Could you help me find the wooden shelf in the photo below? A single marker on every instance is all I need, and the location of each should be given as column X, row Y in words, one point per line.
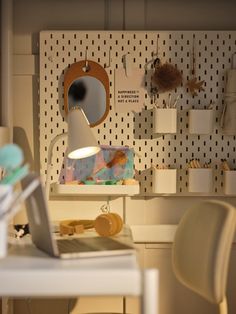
column 94, row 190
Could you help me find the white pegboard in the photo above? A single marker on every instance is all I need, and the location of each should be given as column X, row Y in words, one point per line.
column 214, row 49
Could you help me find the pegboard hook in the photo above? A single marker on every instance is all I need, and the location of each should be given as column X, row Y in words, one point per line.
column 156, row 53
column 86, row 67
column 157, row 45
column 234, row 61
column 109, row 59
column 105, row 208
column 128, row 68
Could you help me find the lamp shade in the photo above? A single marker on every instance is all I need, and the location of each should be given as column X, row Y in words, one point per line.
column 81, row 141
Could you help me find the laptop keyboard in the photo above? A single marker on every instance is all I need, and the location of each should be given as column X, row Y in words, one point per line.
column 72, row 246
column 89, row 245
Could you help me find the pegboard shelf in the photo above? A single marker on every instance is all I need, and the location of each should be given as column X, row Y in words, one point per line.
column 94, row 190
column 151, row 195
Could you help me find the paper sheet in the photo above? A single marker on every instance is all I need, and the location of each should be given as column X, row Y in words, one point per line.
column 129, row 90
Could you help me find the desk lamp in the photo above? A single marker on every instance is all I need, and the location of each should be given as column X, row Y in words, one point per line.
column 81, row 141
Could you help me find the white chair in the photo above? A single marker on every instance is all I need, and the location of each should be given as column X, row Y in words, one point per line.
column 201, row 250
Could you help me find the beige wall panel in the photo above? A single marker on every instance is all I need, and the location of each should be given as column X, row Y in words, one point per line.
column 23, row 116
column 165, row 210
column 140, row 254
column 23, row 120
column 25, row 64
column 98, row 304
column 60, row 14
column 22, row 43
column 135, row 210
column 133, row 305
column 39, row 306
column 116, row 15
column 82, row 207
column 135, row 14
column 83, row 305
column 169, row 210
column 191, row 15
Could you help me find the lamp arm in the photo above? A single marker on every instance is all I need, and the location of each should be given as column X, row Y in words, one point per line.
column 49, row 162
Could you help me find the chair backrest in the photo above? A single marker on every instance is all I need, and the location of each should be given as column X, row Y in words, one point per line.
column 202, row 246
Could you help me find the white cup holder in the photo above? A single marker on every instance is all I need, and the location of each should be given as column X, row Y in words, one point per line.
column 200, row 180
column 165, row 120
column 230, row 182
column 164, row 181
column 201, row 121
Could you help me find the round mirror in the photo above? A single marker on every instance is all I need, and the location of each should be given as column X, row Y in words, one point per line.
column 89, row 94
column 87, row 87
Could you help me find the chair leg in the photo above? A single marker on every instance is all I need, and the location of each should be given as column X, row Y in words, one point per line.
column 149, row 298
column 223, row 307
column 124, row 305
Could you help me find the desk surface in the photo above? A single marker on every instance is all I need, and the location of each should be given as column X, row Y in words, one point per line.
column 27, row 271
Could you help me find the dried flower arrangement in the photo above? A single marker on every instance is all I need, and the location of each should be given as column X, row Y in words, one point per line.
column 166, row 77
column 193, row 85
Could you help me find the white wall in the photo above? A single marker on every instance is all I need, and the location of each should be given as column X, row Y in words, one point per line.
column 32, row 16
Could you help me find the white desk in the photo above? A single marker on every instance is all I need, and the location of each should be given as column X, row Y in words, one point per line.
column 28, row 272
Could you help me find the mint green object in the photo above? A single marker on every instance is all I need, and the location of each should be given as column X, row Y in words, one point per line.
column 105, row 182
column 16, row 175
column 110, row 182
column 11, row 157
column 89, row 182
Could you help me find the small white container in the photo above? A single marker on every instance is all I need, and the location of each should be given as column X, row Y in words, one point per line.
column 164, row 181
column 200, row 180
column 165, row 120
column 201, row 121
column 230, row 182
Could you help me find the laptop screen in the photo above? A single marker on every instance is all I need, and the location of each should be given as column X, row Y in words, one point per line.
column 38, row 216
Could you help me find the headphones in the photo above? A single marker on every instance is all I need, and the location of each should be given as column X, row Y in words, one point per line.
column 70, row 227
column 106, row 224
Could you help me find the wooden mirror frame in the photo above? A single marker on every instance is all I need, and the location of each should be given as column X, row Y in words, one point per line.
column 87, row 68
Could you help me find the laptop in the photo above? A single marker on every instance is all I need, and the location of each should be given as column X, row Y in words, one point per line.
column 42, row 235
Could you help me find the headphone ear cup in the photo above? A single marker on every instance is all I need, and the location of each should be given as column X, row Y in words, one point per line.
column 103, row 225
column 119, row 222
column 108, row 224
column 113, row 224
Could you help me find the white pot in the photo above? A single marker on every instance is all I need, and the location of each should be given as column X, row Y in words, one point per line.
column 230, row 182
column 164, row 181
column 201, row 121
column 200, row 180
column 165, row 120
